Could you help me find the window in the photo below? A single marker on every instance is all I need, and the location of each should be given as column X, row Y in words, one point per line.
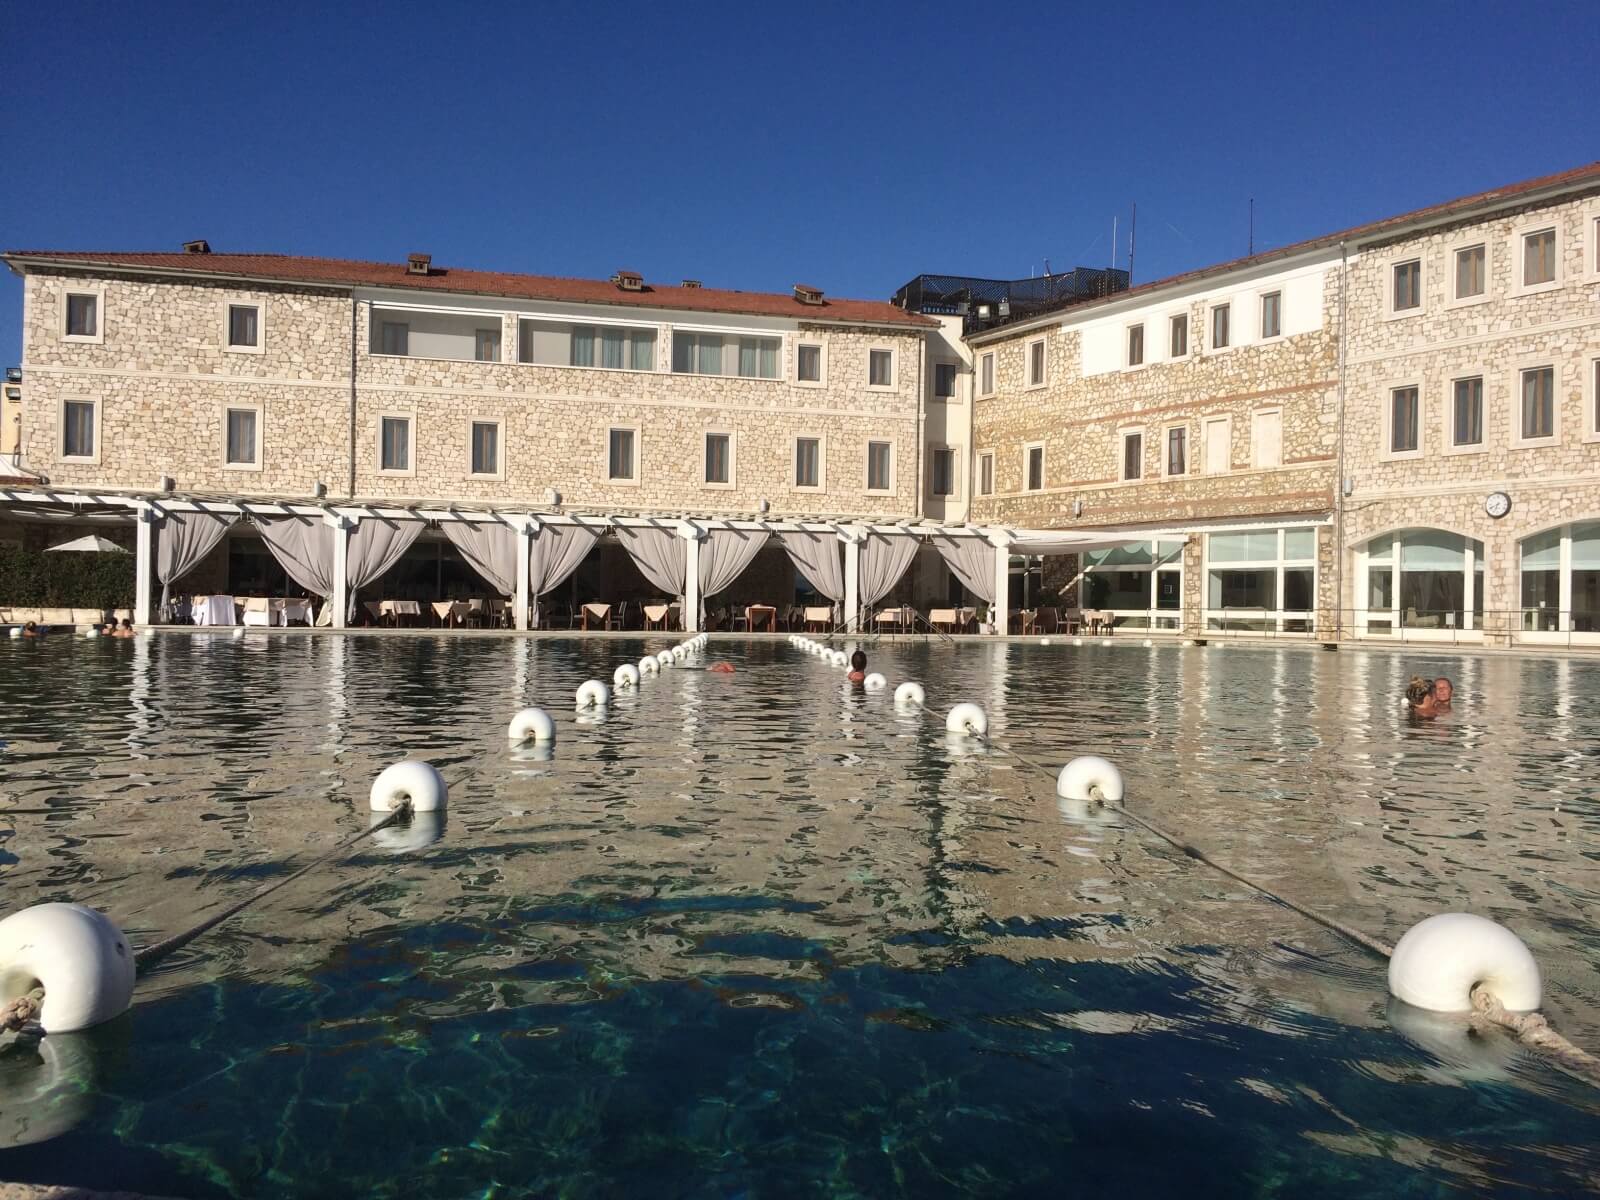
column 1538, row 257
column 486, row 346
column 986, row 374
column 880, row 466
column 241, row 448
column 561, row 344
column 244, row 327
column 1132, row 456
column 1219, row 327
column 1426, row 582
column 1466, row 417
column 1036, row 363
column 1471, row 264
column 394, row 450
column 1034, row 457
column 808, row 363
column 1560, row 571
column 1594, row 397
column 80, row 425
column 1141, row 583
column 697, row 353
column 1178, row 335
column 1407, row 292
column 1135, row 345
column 1266, row 439
column 580, row 350
column 81, row 320
column 942, row 468
column 719, row 459
column 944, row 381
column 1403, row 415
column 1538, row 403
column 1271, row 314
column 986, row 473
column 395, row 338
column 1261, row 579
column 1219, row 445
column 758, row 358
column 808, row 462
column 619, row 455
column 880, row 368
column 1177, row 450
column 485, row 438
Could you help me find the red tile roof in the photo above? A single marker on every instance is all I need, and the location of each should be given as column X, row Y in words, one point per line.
column 285, row 268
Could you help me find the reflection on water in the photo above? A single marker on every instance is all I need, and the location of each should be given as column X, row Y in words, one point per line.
column 761, row 933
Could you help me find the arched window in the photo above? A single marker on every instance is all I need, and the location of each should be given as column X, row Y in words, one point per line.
column 1560, row 583
column 1420, row 583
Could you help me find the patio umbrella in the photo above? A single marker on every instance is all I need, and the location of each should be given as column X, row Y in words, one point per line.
column 90, row 543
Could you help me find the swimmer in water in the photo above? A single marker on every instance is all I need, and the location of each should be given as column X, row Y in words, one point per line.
column 1420, row 696
column 125, row 630
column 858, row 667
column 721, row 668
column 1443, row 692
column 30, row 629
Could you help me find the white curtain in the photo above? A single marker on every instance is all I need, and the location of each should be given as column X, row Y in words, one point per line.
column 661, row 555
column 303, row 547
column 817, row 557
column 883, row 560
column 554, row 553
column 971, row 560
column 376, row 544
column 185, row 539
column 489, row 548
column 724, row 554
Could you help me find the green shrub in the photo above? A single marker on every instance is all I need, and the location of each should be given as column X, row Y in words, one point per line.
column 35, row 579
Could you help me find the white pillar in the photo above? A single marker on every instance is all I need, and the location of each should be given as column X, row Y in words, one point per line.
column 1000, row 616
column 143, row 562
column 691, row 577
column 1469, row 585
column 340, row 600
column 852, row 581
column 520, row 604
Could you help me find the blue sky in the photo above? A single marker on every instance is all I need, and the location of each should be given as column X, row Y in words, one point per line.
column 756, row 145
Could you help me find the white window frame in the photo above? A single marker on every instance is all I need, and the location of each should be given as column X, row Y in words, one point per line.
column 499, row 473
column 61, row 430
column 99, row 335
column 1386, row 451
column 1127, row 346
column 933, row 380
column 991, row 369
column 934, row 449
column 1387, row 624
column 1261, row 314
column 1390, row 265
column 1591, row 248
column 1256, row 413
column 1188, row 450
column 984, row 455
column 733, row 459
column 410, row 469
column 1519, row 266
column 1447, row 423
column 1591, row 399
column 1188, row 335
column 1211, row 328
column 794, row 462
column 228, row 406
column 1205, row 442
column 1044, row 467
column 638, row 456
column 1563, row 634
column 1280, row 614
column 894, row 369
column 1028, row 382
column 1451, row 299
column 228, row 305
column 1153, row 617
column 894, row 466
column 1123, row 434
column 1518, row 368
column 822, row 363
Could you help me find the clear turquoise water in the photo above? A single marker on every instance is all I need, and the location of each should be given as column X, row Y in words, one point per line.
column 758, row 936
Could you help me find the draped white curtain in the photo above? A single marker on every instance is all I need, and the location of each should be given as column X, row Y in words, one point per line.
column 554, row 553
column 185, row 539
column 376, row 545
column 303, row 547
column 817, row 557
column 971, row 560
column 489, row 548
column 883, row 560
column 661, row 555
column 724, row 554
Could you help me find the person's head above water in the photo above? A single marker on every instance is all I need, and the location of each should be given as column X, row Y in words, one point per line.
column 1443, row 690
column 858, row 661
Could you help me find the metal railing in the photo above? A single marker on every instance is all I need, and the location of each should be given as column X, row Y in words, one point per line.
column 1531, row 626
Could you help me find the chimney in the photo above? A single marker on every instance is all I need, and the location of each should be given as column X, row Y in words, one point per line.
column 629, row 281
column 807, row 294
column 198, row 246
column 419, row 264
column 691, row 283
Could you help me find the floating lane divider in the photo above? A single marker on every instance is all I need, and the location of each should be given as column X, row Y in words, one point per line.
column 1449, row 962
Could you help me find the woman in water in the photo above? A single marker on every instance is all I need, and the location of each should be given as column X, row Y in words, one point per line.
column 1443, row 692
column 1424, row 705
column 125, row 630
column 858, row 667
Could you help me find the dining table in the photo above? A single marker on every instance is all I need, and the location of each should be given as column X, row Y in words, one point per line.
column 819, row 615
column 655, row 615
column 213, row 610
column 396, row 609
column 765, row 614
column 600, row 613
column 450, row 611
column 287, row 610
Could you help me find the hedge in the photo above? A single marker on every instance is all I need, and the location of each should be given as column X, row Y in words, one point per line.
column 66, row 579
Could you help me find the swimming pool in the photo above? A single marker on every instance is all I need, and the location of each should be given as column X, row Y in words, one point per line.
column 755, row 935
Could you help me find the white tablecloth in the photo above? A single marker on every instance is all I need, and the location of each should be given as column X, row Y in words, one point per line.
column 293, row 610
column 213, row 610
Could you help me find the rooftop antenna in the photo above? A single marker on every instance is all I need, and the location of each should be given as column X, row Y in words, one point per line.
column 1133, row 232
column 1252, row 225
column 1113, row 242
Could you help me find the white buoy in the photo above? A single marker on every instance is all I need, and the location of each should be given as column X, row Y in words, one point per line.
column 1439, row 960
column 625, row 678
column 1149, row 642
column 238, row 631
column 78, row 955
column 664, row 658
column 418, row 833
column 91, row 633
column 841, row 659
column 967, row 718
column 909, row 694
column 679, row 654
column 593, row 694
column 409, row 782
column 1077, row 641
column 1105, row 641
column 648, row 665
column 1044, row 641
column 1090, row 778
column 532, row 724
column 874, row 682
column 15, row 631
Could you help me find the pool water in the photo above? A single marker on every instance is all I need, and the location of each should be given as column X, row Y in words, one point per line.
column 757, row 935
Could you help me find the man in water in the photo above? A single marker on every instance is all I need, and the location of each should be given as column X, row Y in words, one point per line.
column 858, row 667
column 1443, row 691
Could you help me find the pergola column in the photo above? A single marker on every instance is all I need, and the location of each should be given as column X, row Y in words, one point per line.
column 1000, row 619
column 143, row 562
column 852, row 578
column 691, row 577
column 341, row 569
column 523, row 528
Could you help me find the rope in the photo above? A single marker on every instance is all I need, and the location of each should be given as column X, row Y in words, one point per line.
column 1532, row 1030
column 22, row 1012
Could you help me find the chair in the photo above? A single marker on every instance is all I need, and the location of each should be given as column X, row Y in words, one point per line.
column 737, row 617
column 555, row 616
column 617, row 618
column 1047, row 621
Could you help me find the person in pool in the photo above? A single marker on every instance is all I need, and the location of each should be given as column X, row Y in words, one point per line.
column 858, row 667
column 721, row 668
column 109, row 629
column 125, row 630
column 30, row 629
column 1443, row 692
column 1424, row 705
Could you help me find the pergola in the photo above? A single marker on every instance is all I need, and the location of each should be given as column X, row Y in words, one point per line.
column 149, row 510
